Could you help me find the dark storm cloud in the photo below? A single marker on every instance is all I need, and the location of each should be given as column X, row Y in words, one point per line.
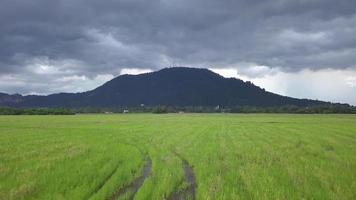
column 90, row 37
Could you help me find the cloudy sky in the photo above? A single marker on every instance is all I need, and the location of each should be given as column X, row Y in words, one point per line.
column 300, row 48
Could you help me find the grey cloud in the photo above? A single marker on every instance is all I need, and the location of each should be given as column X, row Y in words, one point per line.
column 86, row 38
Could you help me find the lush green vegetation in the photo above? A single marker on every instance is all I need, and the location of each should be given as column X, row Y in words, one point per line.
column 35, row 111
column 315, row 109
column 233, row 156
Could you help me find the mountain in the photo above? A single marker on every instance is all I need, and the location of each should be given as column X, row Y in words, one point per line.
column 10, row 99
column 178, row 86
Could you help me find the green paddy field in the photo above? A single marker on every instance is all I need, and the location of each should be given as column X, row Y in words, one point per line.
column 178, row 156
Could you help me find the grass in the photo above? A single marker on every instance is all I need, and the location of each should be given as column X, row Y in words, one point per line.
column 232, row 156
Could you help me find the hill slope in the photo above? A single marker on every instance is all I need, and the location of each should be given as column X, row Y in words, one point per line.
column 177, row 86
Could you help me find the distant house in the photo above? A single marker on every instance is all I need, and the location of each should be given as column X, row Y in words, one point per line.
column 125, row 111
column 217, row 107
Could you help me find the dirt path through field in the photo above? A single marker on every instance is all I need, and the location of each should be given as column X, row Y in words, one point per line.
column 189, row 192
column 135, row 185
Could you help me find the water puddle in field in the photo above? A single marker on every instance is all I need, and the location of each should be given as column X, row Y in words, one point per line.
column 135, row 185
column 188, row 192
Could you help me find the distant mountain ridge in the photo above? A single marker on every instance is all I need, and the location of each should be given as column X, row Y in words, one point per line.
column 177, row 86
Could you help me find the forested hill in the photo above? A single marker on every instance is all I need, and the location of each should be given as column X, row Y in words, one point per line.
column 178, row 86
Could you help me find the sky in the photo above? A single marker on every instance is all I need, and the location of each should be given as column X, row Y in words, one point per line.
column 299, row 48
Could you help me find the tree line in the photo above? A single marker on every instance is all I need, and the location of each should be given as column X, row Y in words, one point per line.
column 314, row 109
column 36, row 111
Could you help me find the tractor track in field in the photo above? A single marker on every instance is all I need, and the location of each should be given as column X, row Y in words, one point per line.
column 101, row 185
column 189, row 192
column 136, row 184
